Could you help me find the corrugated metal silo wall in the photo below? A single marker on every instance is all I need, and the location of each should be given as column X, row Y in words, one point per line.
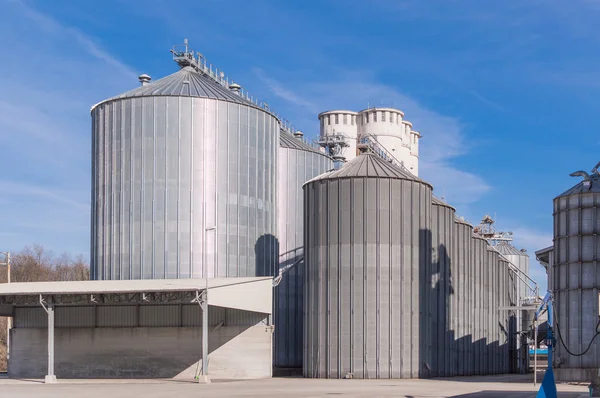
column 576, row 282
column 479, row 253
column 156, row 160
column 442, row 234
column 367, row 249
column 295, row 168
column 461, row 302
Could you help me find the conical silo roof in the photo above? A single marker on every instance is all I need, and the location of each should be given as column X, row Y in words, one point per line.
column 371, row 166
column 438, row 202
column 187, row 82
column 287, row 140
column 509, row 250
column 590, row 184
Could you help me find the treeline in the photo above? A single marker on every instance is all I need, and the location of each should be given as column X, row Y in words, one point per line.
column 37, row 264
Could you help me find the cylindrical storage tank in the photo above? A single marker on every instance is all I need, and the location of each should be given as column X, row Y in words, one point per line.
column 576, row 278
column 183, row 178
column 406, row 145
column 461, row 301
column 340, row 123
column 480, row 262
column 442, row 234
column 507, row 332
column 415, row 136
column 386, row 127
column 298, row 163
column 367, row 251
column 518, row 291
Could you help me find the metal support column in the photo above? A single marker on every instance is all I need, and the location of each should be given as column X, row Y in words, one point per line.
column 49, row 308
column 203, row 301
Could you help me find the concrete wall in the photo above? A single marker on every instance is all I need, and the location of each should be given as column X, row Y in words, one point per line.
column 236, row 352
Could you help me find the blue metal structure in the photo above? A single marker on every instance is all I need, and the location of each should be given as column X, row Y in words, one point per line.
column 548, row 387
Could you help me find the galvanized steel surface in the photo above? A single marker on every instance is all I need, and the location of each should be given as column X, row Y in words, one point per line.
column 298, row 163
column 460, row 300
column 367, row 252
column 180, row 181
column 576, row 277
column 443, row 231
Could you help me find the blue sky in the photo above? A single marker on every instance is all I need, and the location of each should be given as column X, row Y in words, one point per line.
column 505, row 93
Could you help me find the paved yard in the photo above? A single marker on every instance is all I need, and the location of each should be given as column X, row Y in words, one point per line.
column 492, row 386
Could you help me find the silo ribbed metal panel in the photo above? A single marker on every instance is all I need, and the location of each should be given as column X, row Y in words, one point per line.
column 576, row 277
column 479, row 253
column 442, row 234
column 298, row 163
column 460, row 301
column 183, row 175
column 367, row 250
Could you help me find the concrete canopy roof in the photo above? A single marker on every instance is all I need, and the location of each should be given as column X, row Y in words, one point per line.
column 250, row 294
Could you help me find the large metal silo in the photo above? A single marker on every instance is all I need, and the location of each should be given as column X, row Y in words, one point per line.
column 576, row 278
column 298, row 163
column 442, row 234
column 367, row 251
column 183, row 177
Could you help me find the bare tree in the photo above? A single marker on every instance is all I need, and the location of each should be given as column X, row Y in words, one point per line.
column 37, row 264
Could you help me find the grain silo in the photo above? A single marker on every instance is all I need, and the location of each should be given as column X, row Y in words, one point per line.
column 442, row 234
column 183, row 177
column 298, row 163
column 520, row 259
column 367, row 249
column 576, row 278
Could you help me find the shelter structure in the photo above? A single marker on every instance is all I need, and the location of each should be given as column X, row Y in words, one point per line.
column 140, row 328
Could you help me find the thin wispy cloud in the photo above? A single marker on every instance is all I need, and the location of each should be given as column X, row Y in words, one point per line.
column 45, row 127
column 278, row 89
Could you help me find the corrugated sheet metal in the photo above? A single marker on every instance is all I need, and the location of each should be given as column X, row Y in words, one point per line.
column 30, row 317
column 186, row 315
column 117, row 317
column 156, row 161
column 296, row 166
column 75, row 317
column 367, row 252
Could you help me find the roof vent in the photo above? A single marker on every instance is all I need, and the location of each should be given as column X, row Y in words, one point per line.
column 235, row 88
column 144, row 79
column 299, row 134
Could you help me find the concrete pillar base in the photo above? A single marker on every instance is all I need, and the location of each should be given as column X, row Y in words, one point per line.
column 203, row 379
column 50, row 379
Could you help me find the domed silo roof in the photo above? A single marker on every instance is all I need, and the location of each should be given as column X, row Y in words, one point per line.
column 590, row 184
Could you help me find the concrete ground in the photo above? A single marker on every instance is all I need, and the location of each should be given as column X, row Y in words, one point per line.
column 471, row 387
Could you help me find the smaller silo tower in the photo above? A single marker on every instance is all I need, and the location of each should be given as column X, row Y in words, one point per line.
column 385, row 125
column 339, row 132
column 367, row 251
